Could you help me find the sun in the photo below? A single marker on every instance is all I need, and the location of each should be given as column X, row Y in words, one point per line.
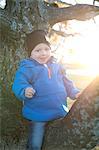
column 84, row 46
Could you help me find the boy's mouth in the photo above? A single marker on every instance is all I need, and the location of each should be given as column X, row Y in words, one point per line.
column 43, row 60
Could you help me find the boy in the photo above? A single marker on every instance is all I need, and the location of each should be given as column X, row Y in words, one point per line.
column 43, row 86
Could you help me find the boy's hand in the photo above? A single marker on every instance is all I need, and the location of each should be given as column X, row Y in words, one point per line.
column 77, row 95
column 29, row 92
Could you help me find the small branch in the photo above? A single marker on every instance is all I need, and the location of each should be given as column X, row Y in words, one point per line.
column 62, row 33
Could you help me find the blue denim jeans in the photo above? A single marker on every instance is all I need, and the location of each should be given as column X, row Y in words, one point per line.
column 36, row 134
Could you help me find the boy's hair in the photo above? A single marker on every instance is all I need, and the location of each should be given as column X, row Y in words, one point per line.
column 34, row 38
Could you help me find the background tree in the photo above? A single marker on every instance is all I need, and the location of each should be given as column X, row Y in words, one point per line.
column 16, row 20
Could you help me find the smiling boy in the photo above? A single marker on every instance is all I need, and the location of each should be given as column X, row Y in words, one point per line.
column 43, row 86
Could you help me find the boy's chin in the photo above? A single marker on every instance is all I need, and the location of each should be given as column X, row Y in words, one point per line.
column 42, row 62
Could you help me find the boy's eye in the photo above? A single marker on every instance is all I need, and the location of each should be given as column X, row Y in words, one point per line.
column 47, row 49
column 38, row 50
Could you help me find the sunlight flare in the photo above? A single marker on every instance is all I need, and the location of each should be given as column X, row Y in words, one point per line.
column 83, row 47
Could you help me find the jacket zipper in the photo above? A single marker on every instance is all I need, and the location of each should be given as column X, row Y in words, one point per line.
column 49, row 71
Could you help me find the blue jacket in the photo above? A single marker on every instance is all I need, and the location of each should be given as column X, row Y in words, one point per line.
column 52, row 89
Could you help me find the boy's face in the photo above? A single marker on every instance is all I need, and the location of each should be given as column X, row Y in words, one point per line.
column 41, row 53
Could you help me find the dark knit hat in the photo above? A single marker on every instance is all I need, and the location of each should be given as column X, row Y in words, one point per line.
column 34, row 38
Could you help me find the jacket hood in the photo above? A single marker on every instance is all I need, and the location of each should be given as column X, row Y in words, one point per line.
column 27, row 62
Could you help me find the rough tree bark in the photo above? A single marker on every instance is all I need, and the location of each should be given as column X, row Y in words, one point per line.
column 21, row 17
column 79, row 130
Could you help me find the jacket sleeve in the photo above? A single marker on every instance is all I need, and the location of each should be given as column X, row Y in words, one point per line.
column 21, row 82
column 69, row 85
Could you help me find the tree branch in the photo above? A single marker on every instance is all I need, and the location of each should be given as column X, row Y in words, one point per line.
column 79, row 12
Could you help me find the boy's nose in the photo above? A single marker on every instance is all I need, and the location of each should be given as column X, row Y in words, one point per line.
column 43, row 52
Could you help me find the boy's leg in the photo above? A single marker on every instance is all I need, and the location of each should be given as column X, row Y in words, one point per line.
column 29, row 144
column 36, row 135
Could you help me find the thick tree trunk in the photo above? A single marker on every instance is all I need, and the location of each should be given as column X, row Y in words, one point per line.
column 80, row 128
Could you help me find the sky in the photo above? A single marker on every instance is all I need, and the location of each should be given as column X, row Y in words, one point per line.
column 3, row 2
column 81, row 2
